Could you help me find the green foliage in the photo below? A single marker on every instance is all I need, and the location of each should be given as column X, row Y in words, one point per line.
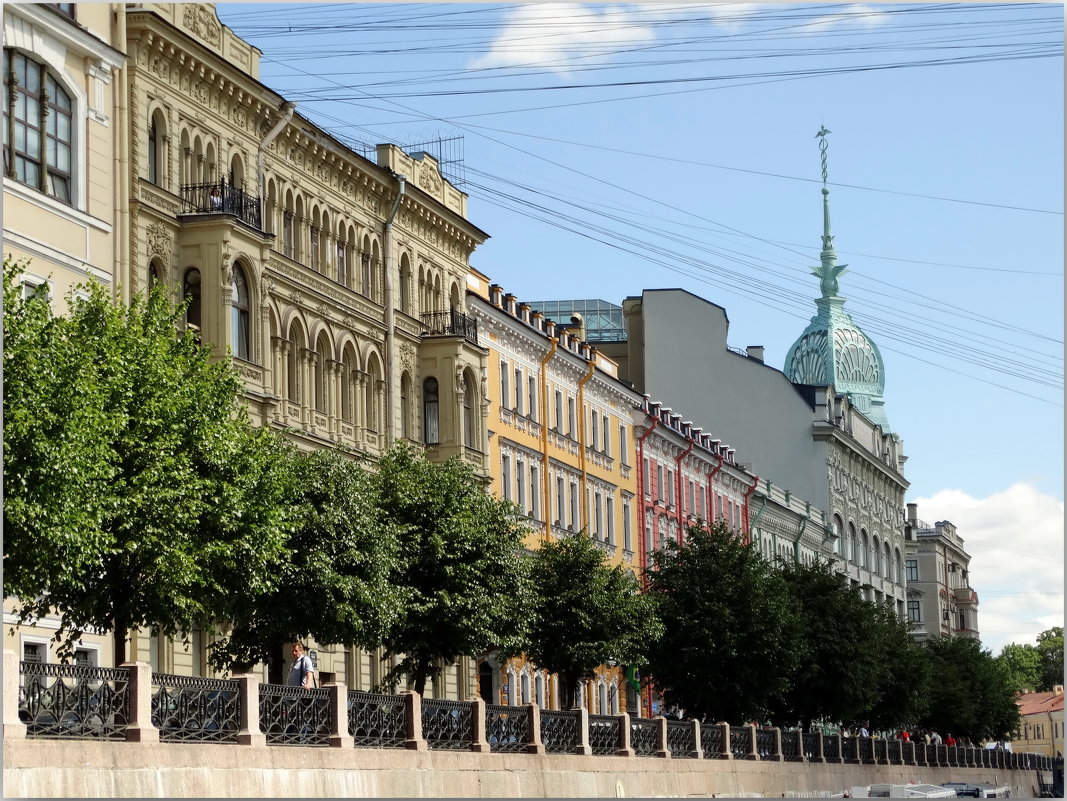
column 1023, row 666
column 848, row 649
column 730, row 633
column 331, row 582
column 460, row 570
column 1050, row 647
column 136, row 491
column 586, row 612
column 970, row 691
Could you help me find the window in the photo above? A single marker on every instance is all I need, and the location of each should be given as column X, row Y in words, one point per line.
column 36, row 652
column 609, row 512
column 288, row 223
column 239, row 322
column 670, row 487
column 535, row 493
column 913, row 612
column 645, row 479
column 364, row 264
column 570, row 418
column 505, row 387
column 520, row 482
column 469, row 391
column 598, row 508
column 702, row 509
column 153, row 151
column 191, row 295
column 518, row 390
column 342, row 266
column 627, row 533
column 574, row 521
column 596, row 430
column 85, row 657
column 405, row 406
column 623, row 455
column 505, row 475
column 37, row 138
column 314, row 263
column 531, row 387
column 430, row 412
column 606, row 422
column 561, row 511
column 559, row 411
column 659, row 481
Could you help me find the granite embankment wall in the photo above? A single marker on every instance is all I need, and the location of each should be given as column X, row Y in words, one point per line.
column 35, row 768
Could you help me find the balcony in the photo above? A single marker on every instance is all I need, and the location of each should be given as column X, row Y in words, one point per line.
column 450, row 323
column 222, row 198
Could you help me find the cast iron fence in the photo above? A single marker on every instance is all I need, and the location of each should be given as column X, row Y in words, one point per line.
column 74, row 701
column 376, row 721
column 447, row 725
column 507, row 728
column 192, row 709
column 294, row 715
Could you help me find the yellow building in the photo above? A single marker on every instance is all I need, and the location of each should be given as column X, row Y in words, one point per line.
column 561, row 440
column 1041, row 728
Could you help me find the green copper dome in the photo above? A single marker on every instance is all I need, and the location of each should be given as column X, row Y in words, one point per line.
column 833, row 349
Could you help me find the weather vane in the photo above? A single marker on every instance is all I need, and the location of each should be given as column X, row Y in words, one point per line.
column 823, row 145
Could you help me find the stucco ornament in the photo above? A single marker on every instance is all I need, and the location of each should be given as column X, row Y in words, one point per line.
column 200, row 20
column 160, row 242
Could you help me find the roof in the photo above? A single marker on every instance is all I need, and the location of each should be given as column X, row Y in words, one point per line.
column 1039, row 703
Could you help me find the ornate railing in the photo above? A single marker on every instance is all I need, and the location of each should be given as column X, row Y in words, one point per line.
column 376, row 721
column 447, row 725
column 850, row 750
column 895, row 751
column 711, row 740
column 222, row 197
column 810, row 745
column 603, row 735
column 832, row 748
column 294, row 715
column 192, row 709
column 766, row 744
column 680, row 739
column 644, row 736
column 74, row 701
column 559, row 731
column 450, row 323
column 792, row 746
column 741, row 741
column 507, row 728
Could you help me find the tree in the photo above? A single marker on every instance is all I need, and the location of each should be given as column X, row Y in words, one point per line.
column 586, row 613
column 460, row 569
column 136, row 492
column 902, row 695
column 846, row 645
column 331, row 581
column 1023, row 665
column 730, row 633
column 970, row 692
column 1050, row 647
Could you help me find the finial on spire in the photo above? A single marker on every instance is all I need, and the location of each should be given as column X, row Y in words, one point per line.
column 829, row 269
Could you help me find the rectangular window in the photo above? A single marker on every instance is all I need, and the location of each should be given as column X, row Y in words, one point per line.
column 659, row 482
column 598, row 530
column 570, row 418
column 505, row 386
column 627, row 532
column 911, row 568
column 596, row 430
column 645, row 478
column 531, row 387
column 535, row 492
column 607, row 435
column 702, row 509
column 718, row 507
column 86, row 657
column 505, row 476
column 342, row 267
column 35, row 652
column 648, row 538
column 624, row 456
column 561, row 503
column 689, row 498
column 559, row 412
column 520, row 485
column 518, row 390
column 609, row 510
column 670, row 487
column 574, row 522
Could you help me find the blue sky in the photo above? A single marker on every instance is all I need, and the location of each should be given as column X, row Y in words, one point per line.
column 613, row 148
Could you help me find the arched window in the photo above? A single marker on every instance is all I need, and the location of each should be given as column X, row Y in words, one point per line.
column 155, row 275
column 430, row 412
column 864, row 549
column 405, row 406
column 539, row 690
column 602, row 697
column 157, row 154
column 470, row 399
column 372, row 402
column 876, row 557
column 839, row 543
column 524, row 691
column 296, row 345
column 887, row 563
column 38, row 135
column 191, row 295
column 240, row 318
column 853, row 551
column 405, row 284
column 348, row 375
column 322, row 387
column 237, row 172
column 898, row 573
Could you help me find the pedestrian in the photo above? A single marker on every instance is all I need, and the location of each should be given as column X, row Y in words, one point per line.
column 904, row 736
column 302, row 671
column 949, row 739
column 926, row 737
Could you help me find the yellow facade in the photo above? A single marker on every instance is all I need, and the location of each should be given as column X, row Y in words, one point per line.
column 1041, row 725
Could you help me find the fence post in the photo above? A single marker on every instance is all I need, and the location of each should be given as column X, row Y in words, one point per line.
column 727, row 746
column 14, row 728
column 753, row 750
column 664, row 750
column 249, row 732
column 534, row 744
column 698, row 745
column 820, row 752
column 583, row 748
column 139, row 693
column 479, row 742
column 840, row 746
column 413, row 721
column 625, row 747
column 339, row 736
column 778, row 755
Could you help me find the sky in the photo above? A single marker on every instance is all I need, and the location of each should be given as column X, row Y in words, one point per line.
column 612, row 148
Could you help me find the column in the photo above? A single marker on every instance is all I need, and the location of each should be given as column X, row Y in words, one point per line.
column 14, row 728
column 753, row 751
column 698, row 745
column 727, row 751
column 664, row 750
column 583, row 748
column 339, row 736
column 413, row 719
column 534, row 745
column 479, row 742
column 249, row 732
column 625, row 748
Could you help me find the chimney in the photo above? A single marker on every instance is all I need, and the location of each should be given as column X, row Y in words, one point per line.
column 755, row 352
column 913, row 515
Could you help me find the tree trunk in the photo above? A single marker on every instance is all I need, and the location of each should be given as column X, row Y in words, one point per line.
column 422, row 668
column 276, row 669
column 119, row 639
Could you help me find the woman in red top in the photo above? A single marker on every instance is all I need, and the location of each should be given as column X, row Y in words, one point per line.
column 905, row 737
column 950, row 740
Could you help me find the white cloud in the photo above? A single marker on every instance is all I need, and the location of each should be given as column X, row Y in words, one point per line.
column 857, row 14
column 1015, row 539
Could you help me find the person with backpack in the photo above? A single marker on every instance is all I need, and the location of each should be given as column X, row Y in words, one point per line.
column 302, row 671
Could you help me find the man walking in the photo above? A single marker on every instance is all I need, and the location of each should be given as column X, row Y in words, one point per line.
column 302, row 671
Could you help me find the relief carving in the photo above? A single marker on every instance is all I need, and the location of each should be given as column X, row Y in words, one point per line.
column 429, row 179
column 159, row 241
column 200, row 20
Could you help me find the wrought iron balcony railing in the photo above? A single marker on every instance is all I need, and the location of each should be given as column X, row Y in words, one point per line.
column 450, row 323
column 222, row 198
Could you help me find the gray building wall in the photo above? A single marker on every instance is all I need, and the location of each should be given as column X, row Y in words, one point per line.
column 678, row 350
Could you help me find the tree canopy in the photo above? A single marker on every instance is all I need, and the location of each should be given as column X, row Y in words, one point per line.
column 460, row 567
column 730, row 635
column 1050, row 648
column 331, row 581
column 586, row 613
column 136, row 491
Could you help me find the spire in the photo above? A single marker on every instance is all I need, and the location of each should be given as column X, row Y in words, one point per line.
column 829, row 269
